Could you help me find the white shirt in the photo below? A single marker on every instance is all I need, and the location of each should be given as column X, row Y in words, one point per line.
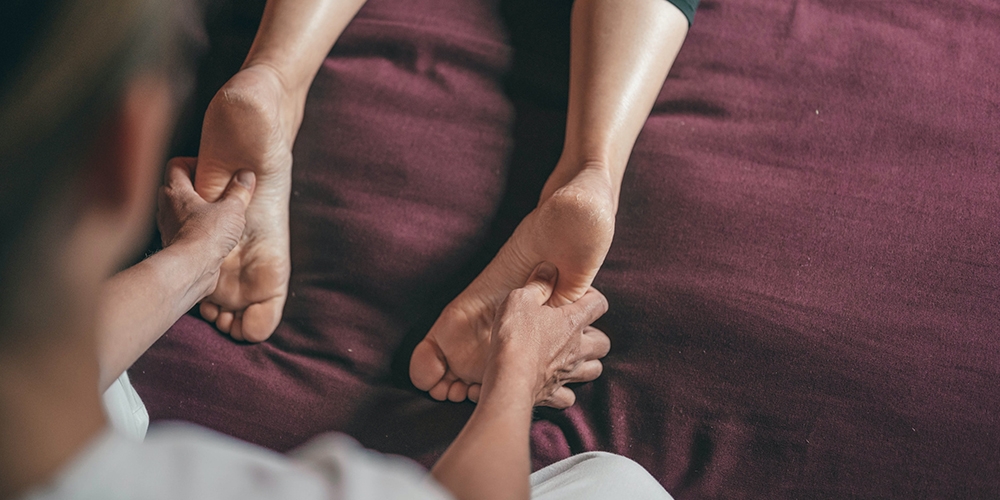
column 183, row 461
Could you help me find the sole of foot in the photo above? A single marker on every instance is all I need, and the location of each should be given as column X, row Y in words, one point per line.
column 573, row 229
column 247, row 126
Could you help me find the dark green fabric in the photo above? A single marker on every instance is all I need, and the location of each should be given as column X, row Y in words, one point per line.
column 687, row 7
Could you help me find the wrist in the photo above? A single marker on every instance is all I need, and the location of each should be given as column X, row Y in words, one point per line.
column 193, row 266
column 507, row 390
column 511, row 376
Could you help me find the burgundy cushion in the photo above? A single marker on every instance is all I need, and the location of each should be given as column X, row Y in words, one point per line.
column 805, row 279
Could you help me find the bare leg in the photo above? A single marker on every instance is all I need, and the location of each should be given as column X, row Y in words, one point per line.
column 572, row 229
column 244, row 128
column 251, row 124
column 621, row 52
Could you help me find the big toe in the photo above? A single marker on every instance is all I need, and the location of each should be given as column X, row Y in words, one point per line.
column 427, row 365
column 260, row 320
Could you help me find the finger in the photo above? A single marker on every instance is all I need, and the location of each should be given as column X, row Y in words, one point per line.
column 541, row 282
column 177, row 190
column 474, row 391
column 564, row 397
column 458, row 391
column 209, row 311
column 591, row 306
column 585, row 372
column 595, row 344
column 180, row 171
column 240, row 190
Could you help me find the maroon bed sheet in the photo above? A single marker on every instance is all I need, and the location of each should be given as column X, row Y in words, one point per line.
column 804, row 283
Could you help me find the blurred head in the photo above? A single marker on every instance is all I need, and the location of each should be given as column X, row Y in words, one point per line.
column 85, row 104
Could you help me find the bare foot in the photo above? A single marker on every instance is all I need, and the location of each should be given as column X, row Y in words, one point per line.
column 572, row 229
column 251, row 124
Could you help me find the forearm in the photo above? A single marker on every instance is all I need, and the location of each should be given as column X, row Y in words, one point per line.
column 490, row 458
column 621, row 52
column 295, row 36
column 140, row 303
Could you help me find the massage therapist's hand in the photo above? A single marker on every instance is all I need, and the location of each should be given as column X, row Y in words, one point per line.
column 546, row 347
column 206, row 231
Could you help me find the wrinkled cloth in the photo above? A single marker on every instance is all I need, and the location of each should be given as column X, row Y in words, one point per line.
column 186, row 462
column 125, row 410
column 182, row 461
column 805, row 277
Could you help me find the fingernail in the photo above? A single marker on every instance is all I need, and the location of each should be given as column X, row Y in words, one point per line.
column 245, row 178
column 546, row 271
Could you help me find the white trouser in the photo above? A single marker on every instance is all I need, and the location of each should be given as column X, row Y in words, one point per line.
column 595, row 475
column 588, row 476
column 125, row 410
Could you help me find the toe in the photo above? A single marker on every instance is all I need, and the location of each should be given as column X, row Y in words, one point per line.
column 209, row 311
column 458, row 391
column 428, row 366
column 236, row 330
column 440, row 390
column 261, row 319
column 474, row 391
column 225, row 321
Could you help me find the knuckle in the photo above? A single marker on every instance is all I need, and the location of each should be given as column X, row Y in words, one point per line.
column 598, row 303
column 605, row 347
column 570, row 400
column 603, row 304
column 579, row 319
column 518, row 295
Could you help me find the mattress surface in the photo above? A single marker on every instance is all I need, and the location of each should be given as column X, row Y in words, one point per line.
column 805, row 277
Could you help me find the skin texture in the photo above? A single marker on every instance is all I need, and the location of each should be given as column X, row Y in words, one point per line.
column 141, row 303
column 620, row 54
